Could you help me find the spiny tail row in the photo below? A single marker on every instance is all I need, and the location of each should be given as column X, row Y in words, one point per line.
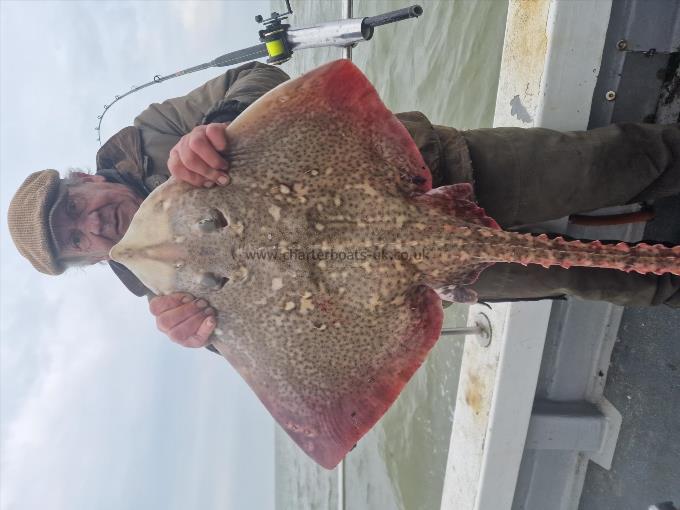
column 540, row 249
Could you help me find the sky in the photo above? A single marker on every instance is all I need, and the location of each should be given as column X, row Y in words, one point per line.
column 97, row 408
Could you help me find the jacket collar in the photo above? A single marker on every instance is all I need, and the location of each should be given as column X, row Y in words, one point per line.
column 123, row 153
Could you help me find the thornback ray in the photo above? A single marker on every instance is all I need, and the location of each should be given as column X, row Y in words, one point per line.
column 327, row 254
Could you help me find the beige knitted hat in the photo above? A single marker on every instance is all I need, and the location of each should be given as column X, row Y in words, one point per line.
column 29, row 220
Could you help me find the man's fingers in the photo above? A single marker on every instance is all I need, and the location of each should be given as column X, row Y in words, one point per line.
column 186, row 320
column 195, row 331
column 191, row 162
column 202, row 336
column 181, row 173
column 160, row 304
column 217, row 135
column 203, row 147
column 198, row 153
column 170, row 319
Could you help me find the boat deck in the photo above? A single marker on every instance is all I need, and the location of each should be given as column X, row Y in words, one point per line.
column 643, row 383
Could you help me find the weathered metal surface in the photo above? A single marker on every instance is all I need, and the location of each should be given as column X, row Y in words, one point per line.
column 574, row 426
column 640, row 37
column 523, row 63
column 488, row 411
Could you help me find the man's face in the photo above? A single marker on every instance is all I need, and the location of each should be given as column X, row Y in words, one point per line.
column 92, row 217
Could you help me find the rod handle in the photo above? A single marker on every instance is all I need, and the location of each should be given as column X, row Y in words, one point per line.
column 390, row 17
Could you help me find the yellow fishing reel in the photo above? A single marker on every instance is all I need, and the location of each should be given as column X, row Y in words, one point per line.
column 275, row 36
column 277, row 45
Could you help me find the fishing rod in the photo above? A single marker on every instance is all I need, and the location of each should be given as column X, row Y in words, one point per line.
column 278, row 41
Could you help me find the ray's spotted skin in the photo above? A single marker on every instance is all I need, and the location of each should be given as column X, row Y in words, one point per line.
column 327, row 255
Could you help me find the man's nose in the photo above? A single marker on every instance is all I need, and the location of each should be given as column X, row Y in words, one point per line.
column 92, row 223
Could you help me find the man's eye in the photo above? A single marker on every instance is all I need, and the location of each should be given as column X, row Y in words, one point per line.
column 76, row 239
column 74, row 205
column 71, row 207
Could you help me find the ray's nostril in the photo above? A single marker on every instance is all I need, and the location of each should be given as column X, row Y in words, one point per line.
column 213, row 281
column 213, row 222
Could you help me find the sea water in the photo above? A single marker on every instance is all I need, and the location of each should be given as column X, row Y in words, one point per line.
column 444, row 64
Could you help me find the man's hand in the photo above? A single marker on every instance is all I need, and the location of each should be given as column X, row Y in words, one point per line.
column 196, row 158
column 186, row 320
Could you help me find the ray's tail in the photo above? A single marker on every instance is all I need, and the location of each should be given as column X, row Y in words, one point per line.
column 540, row 249
column 487, row 243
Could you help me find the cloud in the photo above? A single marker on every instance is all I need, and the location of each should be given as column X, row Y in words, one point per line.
column 62, row 416
column 113, row 407
column 99, row 410
column 205, row 18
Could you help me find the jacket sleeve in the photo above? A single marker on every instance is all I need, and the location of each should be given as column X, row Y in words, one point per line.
column 220, row 100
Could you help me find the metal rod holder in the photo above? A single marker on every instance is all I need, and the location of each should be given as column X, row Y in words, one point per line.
column 469, row 330
column 481, row 330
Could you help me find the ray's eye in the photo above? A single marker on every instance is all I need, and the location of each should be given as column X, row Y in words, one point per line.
column 213, row 222
column 213, row 281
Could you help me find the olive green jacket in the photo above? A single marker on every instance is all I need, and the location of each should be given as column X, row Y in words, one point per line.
column 137, row 155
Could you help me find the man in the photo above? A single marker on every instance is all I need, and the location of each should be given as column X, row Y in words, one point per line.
column 520, row 177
